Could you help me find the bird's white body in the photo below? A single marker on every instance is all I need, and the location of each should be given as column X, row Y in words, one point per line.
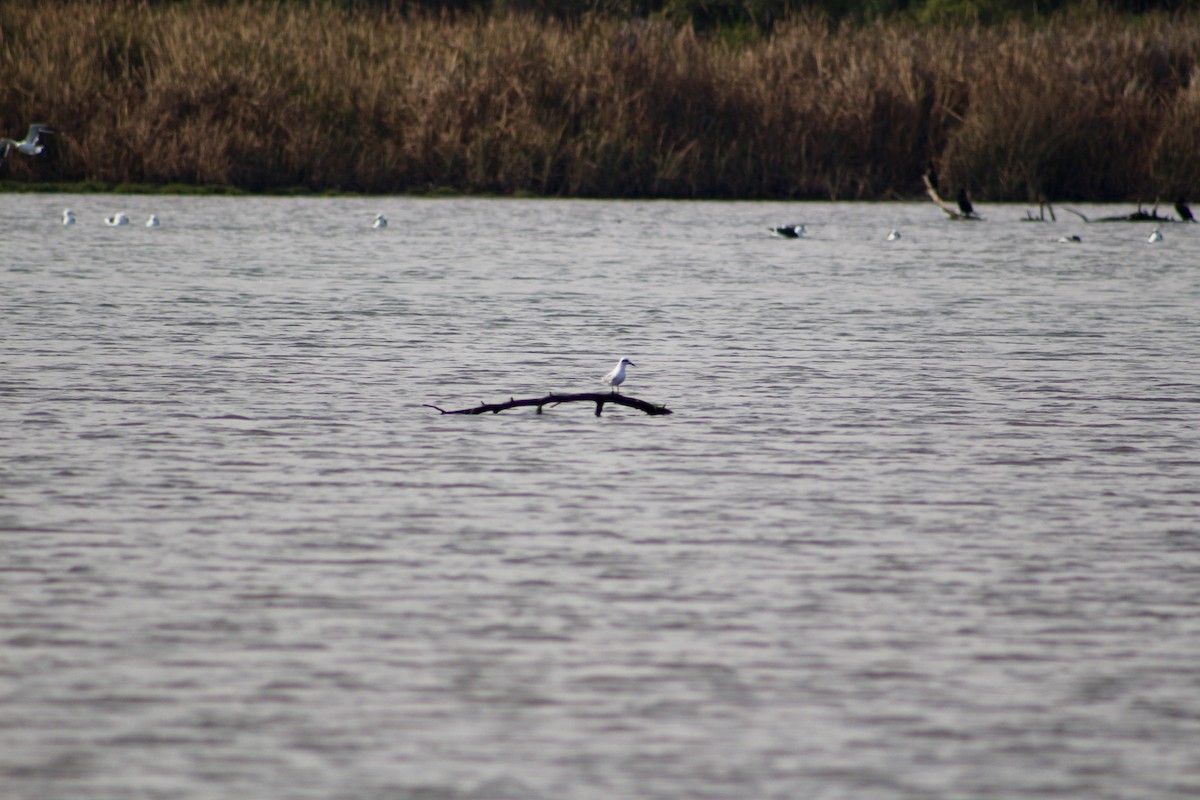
column 380, row 222
column 152, row 222
column 617, row 376
column 117, row 219
column 68, row 217
column 893, row 235
column 1155, row 236
column 29, row 145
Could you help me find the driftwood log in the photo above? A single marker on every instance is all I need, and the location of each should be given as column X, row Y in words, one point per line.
column 1137, row 216
column 599, row 398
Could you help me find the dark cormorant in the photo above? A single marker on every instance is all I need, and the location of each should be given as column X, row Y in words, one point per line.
column 964, row 204
column 1185, row 213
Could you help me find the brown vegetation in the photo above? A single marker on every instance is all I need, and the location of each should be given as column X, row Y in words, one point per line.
column 271, row 96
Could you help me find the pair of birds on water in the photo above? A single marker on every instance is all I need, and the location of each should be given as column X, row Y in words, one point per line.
column 1155, row 236
column 120, row 219
column 116, row 220
column 800, row 231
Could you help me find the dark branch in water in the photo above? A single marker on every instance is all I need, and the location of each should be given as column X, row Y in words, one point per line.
column 1136, row 216
column 599, row 398
column 1043, row 207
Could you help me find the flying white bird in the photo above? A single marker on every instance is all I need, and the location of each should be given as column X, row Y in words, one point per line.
column 29, row 145
column 380, row 222
column 1155, row 236
column 68, row 217
column 152, row 222
column 617, row 376
column 117, row 219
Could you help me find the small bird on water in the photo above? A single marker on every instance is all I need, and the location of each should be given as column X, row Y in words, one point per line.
column 379, row 222
column 152, row 222
column 798, row 231
column 1155, row 236
column 68, row 217
column 893, row 235
column 29, row 145
column 617, row 376
column 117, row 219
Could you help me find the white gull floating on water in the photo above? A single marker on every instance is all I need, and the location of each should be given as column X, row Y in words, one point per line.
column 617, row 376
column 68, row 217
column 893, row 235
column 117, row 219
column 380, row 222
column 152, row 222
column 1155, row 236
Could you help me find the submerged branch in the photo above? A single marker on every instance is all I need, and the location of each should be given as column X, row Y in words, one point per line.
column 599, row 398
column 1135, row 216
column 1043, row 206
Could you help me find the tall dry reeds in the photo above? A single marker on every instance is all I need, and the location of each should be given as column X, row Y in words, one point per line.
column 272, row 96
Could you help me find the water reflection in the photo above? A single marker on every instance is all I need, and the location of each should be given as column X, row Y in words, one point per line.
column 922, row 524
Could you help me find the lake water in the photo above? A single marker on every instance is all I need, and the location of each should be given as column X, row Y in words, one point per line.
column 925, row 522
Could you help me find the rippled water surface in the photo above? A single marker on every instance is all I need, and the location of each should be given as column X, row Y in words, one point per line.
column 925, row 522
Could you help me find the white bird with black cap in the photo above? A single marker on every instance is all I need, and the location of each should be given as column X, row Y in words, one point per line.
column 617, row 376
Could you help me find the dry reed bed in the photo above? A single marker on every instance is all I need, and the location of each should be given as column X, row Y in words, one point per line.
column 271, row 96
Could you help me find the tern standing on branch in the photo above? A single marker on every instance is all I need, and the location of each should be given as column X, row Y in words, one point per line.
column 29, row 145
column 617, row 376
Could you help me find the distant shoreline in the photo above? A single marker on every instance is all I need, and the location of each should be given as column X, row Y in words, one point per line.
column 291, row 99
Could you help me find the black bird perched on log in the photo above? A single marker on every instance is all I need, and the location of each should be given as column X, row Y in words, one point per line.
column 1185, row 213
column 964, row 204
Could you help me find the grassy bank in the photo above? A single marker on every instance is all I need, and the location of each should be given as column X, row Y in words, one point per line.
column 265, row 97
